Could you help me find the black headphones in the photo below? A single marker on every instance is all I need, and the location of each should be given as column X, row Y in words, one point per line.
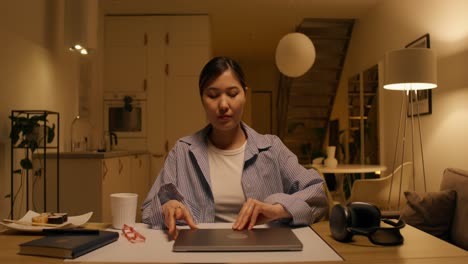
column 358, row 218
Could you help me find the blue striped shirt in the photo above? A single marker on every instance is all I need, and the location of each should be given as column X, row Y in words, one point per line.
column 271, row 174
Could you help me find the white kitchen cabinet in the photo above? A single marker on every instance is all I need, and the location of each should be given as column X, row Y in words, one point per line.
column 88, row 179
column 135, row 47
column 188, row 50
column 139, row 178
column 125, row 54
column 115, row 178
column 160, row 56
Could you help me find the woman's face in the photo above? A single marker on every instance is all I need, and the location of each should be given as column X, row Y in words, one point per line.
column 224, row 101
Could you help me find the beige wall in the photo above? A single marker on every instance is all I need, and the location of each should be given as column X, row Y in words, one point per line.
column 36, row 72
column 392, row 25
column 261, row 76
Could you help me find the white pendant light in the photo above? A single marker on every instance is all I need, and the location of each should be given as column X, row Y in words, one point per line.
column 295, row 54
column 81, row 25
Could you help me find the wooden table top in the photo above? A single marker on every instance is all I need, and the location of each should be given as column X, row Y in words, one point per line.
column 418, row 248
column 348, row 168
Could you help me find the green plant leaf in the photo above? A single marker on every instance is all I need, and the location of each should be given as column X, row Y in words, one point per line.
column 128, row 107
column 24, row 143
column 7, row 196
column 18, row 171
column 128, row 103
column 33, row 145
column 26, row 164
column 128, row 99
column 37, row 118
column 50, row 133
column 14, row 134
column 38, row 173
column 24, row 129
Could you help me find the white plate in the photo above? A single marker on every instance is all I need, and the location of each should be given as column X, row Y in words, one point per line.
column 73, row 221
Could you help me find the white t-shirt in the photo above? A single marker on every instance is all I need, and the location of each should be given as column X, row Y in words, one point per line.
column 225, row 173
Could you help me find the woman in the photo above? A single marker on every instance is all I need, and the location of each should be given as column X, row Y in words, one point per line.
column 228, row 172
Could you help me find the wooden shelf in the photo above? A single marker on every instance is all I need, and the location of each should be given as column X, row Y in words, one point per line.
column 362, row 99
column 357, row 117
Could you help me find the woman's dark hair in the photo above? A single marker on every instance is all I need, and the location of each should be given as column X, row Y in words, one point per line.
column 215, row 67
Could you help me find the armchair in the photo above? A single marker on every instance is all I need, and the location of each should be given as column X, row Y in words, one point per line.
column 377, row 191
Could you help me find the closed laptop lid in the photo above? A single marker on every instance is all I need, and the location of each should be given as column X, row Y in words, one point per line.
column 261, row 239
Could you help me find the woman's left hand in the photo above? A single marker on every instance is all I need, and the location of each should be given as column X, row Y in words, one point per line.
column 254, row 212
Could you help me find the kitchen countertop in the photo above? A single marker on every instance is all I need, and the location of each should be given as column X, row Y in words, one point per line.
column 96, row 155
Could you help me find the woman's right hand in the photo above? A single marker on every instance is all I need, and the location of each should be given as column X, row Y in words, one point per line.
column 174, row 210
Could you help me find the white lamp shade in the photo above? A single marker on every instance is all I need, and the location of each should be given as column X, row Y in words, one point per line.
column 295, row 54
column 410, row 69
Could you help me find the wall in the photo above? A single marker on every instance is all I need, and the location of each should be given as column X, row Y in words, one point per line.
column 36, row 72
column 261, row 76
column 392, row 25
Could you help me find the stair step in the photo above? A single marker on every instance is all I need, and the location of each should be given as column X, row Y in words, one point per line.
column 311, row 96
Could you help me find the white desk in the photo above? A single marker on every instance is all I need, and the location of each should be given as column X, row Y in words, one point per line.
column 342, row 169
column 158, row 249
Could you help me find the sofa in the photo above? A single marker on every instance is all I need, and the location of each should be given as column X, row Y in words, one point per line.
column 456, row 179
column 444, row 213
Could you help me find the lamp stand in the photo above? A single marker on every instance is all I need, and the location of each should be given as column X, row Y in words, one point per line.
column 420, row 139
column 409, row 96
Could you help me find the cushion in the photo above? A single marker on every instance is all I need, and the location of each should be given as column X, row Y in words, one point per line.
column 431, row 212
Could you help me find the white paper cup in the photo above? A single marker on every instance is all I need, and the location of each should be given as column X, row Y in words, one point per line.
column 123, row 209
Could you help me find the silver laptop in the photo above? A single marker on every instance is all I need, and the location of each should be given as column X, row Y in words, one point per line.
column 261, row 239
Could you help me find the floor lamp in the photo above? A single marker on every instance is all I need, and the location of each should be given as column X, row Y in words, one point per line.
column 409, row 70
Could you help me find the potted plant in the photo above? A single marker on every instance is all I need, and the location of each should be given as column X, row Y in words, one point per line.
column 128, row 103
column 29, row 132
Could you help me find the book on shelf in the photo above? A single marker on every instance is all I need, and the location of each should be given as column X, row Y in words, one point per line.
column 68, row 245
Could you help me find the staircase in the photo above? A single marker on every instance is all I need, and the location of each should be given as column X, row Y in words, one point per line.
column 309, row 99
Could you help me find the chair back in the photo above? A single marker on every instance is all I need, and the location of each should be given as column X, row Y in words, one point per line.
column 384, row 192
column 400, row 182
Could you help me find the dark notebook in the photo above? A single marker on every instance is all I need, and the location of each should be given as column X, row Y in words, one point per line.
column 67, row 245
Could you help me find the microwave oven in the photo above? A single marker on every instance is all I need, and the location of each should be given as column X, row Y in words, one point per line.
column 125, row 122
